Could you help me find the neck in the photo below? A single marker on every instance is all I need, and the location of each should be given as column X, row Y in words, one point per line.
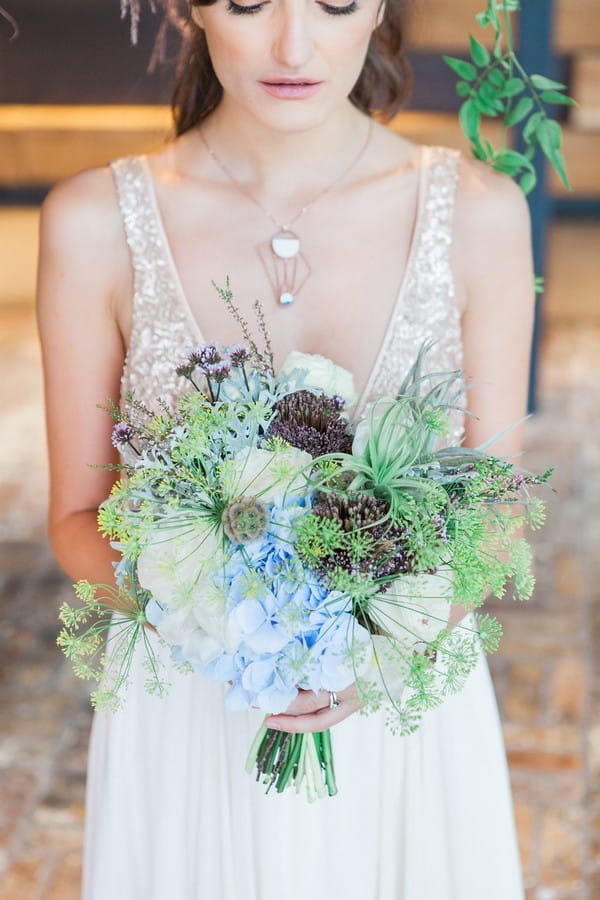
column 283, row 164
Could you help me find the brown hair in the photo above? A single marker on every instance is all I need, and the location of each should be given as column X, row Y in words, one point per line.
column 382, row 88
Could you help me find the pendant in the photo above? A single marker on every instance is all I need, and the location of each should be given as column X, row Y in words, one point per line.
column 285, row 265
column 285, row 244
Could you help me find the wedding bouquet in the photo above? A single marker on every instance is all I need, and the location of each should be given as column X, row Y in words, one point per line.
column 276, row 546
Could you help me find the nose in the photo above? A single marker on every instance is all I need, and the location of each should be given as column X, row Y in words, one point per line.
column 292, row 46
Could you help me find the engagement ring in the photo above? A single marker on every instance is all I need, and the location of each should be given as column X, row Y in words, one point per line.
column 334, row 700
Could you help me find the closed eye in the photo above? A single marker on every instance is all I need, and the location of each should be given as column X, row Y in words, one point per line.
column 239, row 10
column 339, row 10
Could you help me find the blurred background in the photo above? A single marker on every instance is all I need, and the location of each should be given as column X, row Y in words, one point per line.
column 74, row 93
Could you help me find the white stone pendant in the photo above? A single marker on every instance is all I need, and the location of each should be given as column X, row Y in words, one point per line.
column 285, row 244
column 285, row 264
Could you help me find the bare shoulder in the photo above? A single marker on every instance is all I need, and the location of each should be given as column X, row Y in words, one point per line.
column 487, row 203
column 491, row 228
column 82, row 205
column 82, row 234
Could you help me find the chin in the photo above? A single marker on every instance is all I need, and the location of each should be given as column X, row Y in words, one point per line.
column 290, row 116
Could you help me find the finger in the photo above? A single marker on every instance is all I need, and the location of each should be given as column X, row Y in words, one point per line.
column 308, row 702
column 313, row 721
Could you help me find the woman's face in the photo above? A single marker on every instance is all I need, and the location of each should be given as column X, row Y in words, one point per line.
column 288, row 63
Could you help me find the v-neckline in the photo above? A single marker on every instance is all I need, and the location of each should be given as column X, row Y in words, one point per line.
column 410, row 257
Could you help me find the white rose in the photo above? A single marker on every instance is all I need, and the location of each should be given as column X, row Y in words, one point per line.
column 387, row 669
column 396, row 423
column 180, row 628
column 266, row 474
column 177, row 560
column 414, row 607
column 323, row 374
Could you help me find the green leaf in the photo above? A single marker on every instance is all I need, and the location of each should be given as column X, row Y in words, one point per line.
column 489, row 94
column 486, row 109
column 527, row 182
column 483, row 19
column 469, row 119
column 497, row 78
column 512, row 87
column 531, row 126
column 514, row 158
column 521, row 110
column 555, row 97
column 463, row 69
column 479, row 153
column 547, row 84
column 557, row 160
column 463, row 89
column 549, row 136
column 479, row 54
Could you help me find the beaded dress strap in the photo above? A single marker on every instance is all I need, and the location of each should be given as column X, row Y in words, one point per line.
column 428, row 306
column 160, row 330
column 138, row 221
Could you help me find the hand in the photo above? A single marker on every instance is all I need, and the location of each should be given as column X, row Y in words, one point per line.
column 310, row 711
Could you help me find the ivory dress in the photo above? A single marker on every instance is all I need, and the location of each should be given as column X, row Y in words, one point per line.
column 171, row 812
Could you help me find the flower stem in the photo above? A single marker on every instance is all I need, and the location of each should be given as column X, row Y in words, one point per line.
column 329, row 767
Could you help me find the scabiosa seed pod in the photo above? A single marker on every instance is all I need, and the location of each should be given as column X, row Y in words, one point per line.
column 312, row 423
column 244, row 520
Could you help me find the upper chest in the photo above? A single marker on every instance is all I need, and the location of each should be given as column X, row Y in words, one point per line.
column 379, row 264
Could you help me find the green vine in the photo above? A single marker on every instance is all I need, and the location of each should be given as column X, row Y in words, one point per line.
column 495, row 84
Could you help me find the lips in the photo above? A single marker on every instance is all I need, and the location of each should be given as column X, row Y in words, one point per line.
column 291, row 88
column 290, row 81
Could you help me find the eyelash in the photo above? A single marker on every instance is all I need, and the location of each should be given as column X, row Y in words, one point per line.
column 238, row 10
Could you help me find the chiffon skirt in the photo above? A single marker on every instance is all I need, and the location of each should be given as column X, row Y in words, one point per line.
column 172, row 814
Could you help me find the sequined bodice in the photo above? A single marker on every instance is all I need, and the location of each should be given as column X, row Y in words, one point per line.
column 163, row 328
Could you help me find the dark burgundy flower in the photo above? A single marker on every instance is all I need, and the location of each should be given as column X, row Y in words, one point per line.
column 312, row 423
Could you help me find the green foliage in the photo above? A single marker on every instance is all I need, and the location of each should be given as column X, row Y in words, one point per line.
column 495, row 85
column 100, row 637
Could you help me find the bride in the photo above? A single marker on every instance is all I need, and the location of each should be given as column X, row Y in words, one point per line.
column 360, row 244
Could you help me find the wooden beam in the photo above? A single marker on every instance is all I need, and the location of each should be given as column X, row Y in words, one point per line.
column 444, row 25
column 41, row 144
column 585, row 87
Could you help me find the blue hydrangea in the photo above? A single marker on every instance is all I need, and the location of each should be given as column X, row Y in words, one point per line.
column 291, row 630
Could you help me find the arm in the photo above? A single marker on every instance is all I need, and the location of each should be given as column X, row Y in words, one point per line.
column 494, row 269
column 82, row 253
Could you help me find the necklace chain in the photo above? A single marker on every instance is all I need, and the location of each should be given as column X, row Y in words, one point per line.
column 248, row 194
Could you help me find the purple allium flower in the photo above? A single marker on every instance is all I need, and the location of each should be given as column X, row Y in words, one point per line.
column 219, row 371
column 238, row 355
column 185, row 369
column 209, row 355
column 121, row 434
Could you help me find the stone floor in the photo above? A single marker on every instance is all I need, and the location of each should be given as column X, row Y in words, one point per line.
column 547, row 672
